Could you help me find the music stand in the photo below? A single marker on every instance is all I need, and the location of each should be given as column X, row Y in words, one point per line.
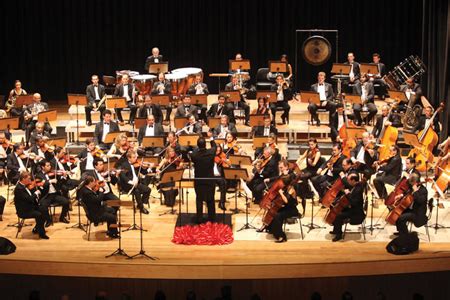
column 47, row 116
column 219, row 141
column 213, row 122
column 354, row 99
column 162, row 67
column 201, row 99
column 232, row 96
column 162, row 100
column 276, row 66
column 9, row 123
column 187, row 140
column 240, row 160
column 179, row 122
column 341, row 69
column 111, row 136
column 398, row 95
column 236, row 174
column 153, row 142
column 370, row 69
column 115, row 103
column 234, row 65
column 139, row 122
column 150, row 159
column 310, row 97
column 57, row 142
column 271, row 96
column 23, row 100
column 259, row 141
column 256, row 120
column 77, row 99
column 117, row 203
column 173, row 176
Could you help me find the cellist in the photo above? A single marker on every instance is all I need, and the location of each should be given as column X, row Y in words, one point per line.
column 265, row 167
column 389, row 171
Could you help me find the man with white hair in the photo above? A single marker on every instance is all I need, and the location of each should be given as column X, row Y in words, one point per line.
column 155, row 58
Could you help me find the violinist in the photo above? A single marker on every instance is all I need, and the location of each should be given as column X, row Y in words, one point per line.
column 172, row 141
column 221, row 161
column 16, row 163
column 64, row 164
column 426, row 119
column 150, row 129
column 170, row 162
column 333, row 167
column 104, row 179
column 129, row 181
column 40, row 151
column 26, row 201
column 271, row 143
column 51, row 193
column 119, row 149
column 284, row 94
column 364, row 155
column 354, row 189
column 104, row 127
column 86, row 156
column 265, row 167
column 96, row 208
column 231, row 146
column 385, row 120
column 221, row 130
column 389, row 171
column 266, row 129
column 5, row 150
column 221, row 108
column 39, row 131
column 234, row 85
column 417, row 212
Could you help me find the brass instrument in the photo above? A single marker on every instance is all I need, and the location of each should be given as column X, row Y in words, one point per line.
column 36, row 108
column 412, row 115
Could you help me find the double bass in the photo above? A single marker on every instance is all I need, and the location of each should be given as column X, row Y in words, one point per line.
column 388, row 137
column 347, row 143
column 442, row 169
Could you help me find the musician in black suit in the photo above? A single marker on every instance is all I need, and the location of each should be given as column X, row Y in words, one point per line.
column 337, row 120
column 97, row 210
column 127, row 91
column 163, row 87
column 103, row 128
column 64, row 166
column 26, row 203
column 364, row 88
column 199, row 88
column 105, row 177
column 223, row 128
column 221, row 108
column 424, row 119
column 410, row 167
column 284, row 94
column 378, row 78
column 186, row 108
column 150, row 129
column 94, row 93
column 235, row 86
column 412, row 89
column 364, row 155
column 389, row 172
column 15, row 164
column 30, row 115
column 150, row 108
column 354, row 70
column 155, row 58
column 326, row 96
column 87, row 156
column 385, row 119
column 39, row 131
column 266, row 129
column 417, row 212
column 354, row 189
column 203, row 160
column 266, row 167
column 129, row 179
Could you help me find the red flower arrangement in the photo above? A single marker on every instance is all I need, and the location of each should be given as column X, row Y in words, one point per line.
column 203, row 234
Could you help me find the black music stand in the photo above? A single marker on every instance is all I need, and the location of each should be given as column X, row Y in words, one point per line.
column 236, row 174
column 141, row 237
column 173, row 176
column 240, row 161
column 119, row 251
column 77, row 99
column 440, row 194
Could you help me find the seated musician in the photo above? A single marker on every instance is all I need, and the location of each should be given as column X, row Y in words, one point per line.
column 94, row 93
column 97, row 209
column 364, row 155
column 155, row 58
column 163, row 87
column 170, row 162
column 425, row 119
column 17, row 111
column 266, row 129
column 410, row 167
column 231, row 145
column 287, row 75
column 39, row 131
column 221, row 161
column 417, row 212
column 186, row 108
column 103, row 128
column 30, row 115
column 338, row 119
column 15, row 164
column 334, row 166
column 151, row 129
column 413, row 92
column 289, row 209
column 284, row 94
column 199, row 88
column 385, row 120
column 234, row 85
column 221, row 108
column 119, row 148
column 126, row 90
column 6, row 148
column 272, row 143
column 64, row 164
column 378, row 78
column 129, row 180
column 364, row 88
column 39, row 152
column 354, row 74
column 150, row 108
column 87, row 155
column 26, row 200
column 265, row 167
column 51, row 193
column 326, row 96
column 221, row 130
column 354, row 212
column 192, row 125
column 262, row 108
column 172, row 141
column 105, row 178
column 389, row 171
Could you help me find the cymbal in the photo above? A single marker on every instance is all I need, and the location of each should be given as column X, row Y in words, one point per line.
column 316, row 50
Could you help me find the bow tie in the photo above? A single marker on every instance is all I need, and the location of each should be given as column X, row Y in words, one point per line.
column 320, row 84
column 150, row 126
column 106, row 123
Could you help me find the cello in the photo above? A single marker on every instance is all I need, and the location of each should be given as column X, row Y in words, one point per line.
column 399, row 206
column 401, row 187
column 388, row 137
column 336, row 208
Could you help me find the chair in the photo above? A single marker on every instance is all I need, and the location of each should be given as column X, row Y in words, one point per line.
column 297, row 218
column 20, row 224
column 430, row 205
column 88, row 217
column 363, row 227
column 110, row 83
column 262, row 83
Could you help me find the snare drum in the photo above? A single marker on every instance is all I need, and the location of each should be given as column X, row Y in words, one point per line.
column 178, row 81
column 119, row 75
column 191, row 73
column 144, row 83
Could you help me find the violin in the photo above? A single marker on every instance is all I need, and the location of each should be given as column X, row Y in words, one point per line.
column 98, row 185
column 35, row 183
column 7, row 144
column 143, row 164
column 97, row 152
column 68, row 159
column 221, row 160
column 58, row 173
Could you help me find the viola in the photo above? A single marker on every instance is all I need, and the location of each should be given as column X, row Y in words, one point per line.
column 221, row 160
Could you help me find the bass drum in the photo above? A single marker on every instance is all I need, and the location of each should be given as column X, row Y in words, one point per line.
column 144, row 83
column 119, row 75
column 191, row 73
column 178, row 81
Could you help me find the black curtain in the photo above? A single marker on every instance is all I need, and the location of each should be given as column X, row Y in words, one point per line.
column 436, row 53
column 54, row 46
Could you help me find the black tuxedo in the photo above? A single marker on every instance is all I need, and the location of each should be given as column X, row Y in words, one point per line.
column 151, row 60
column 356, row 70
column 90, row 94
column 376, row 131
column 417, row 214
column 259, row 130
column 214, row 112
column 322, row 182
column 167, row 87
column 416, row 89
column 153, row 109
column 34, row 135
column 141, row 192
column 98, row 132
column 118, row 92
column 391, row 172
column 191, row 110
column 354, row 212
column 27, row 206
column 12, row 163
column 158, row 131
column 334, row 124
column 257, row 185
column 371, row 107
column 241, row 104
column 287, row 95
column 330, row 105
column 55, row 198
column 421, row 124
column 365, row 168
column 231, row 128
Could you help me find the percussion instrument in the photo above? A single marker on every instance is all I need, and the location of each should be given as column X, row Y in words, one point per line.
column 191, row 73
column 119, row 75
column 143, row 83
column 410, row 67
column 178, row 81
column 316, row 50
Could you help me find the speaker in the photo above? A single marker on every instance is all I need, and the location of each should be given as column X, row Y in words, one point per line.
column 404, row 244
column 6, row 246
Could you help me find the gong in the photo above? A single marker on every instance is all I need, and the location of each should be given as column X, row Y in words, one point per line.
column 316, row 50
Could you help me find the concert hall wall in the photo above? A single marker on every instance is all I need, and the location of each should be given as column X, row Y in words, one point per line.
column 54, row 46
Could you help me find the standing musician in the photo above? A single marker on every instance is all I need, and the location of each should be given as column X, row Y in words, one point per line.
column 234, row 85
column 119, row 149
column 129, row 181
column 170, row 162
column 266, row 129
column 150, row 129
column 284, row 94
column 103, row 128
column 221, row 130
column 417, row 212
column 26, row 201
column 87, row 155
column 203, row 160
column 364, row 155
column 17, row 111
column 150, row 108
column 126, row 90
column 265, row 167
column 64, row 164
column 163, row 87
column 386, row 120
column 378, row 78
column 354, row 70
column 155, row 58
column 39, row 131
column 94, row 93
column 334, row 166
column 364, row 88
column 50, row 192
column 221, row 108
column 186, row 108
column 326, row 96
column 425, row 119
column 221, row 161
column 199, row 88
column 389, row 171
column 104, row 179
column 354, row 189
column 97, row 209
column 412, row 89
column 15, row 164
column 30, row 115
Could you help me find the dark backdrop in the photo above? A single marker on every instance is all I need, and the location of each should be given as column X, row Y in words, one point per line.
column 54, row 46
